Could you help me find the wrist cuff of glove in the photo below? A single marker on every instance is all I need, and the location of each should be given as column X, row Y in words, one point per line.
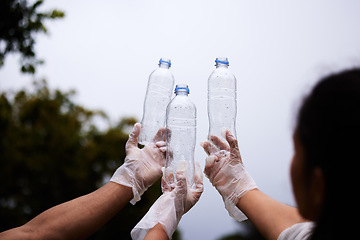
column 233, row 210
column 245, row 184
column 125, row 177
column 163, row 212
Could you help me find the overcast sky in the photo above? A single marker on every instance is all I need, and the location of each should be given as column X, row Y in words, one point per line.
column 105, row 50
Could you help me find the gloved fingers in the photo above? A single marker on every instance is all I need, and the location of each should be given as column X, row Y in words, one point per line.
column 210, row 161
column 195, row 192
column 133, row 137
column 161, row 145
column 222, row 154
column 181, row 172
column 160, row 135
column 181, row 189
column 208, row 148
column 163, row 150
column 168, row 180
column 209, row 165
column 220, row 144
column 168, row 135
column 234, row 147
column 169, row 152
column 198, row 180
column 181, row 183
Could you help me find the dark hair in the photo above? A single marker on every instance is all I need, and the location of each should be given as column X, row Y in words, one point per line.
column 328, row 127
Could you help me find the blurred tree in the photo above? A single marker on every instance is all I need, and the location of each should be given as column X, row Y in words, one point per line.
column 51, row 151
column 19, row 21
column 247, row 232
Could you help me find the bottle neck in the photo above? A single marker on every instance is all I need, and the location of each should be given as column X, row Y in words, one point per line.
column 221, row 62
column 182, row 90
column 165, row 63
column 221, row 66
column 181, row 93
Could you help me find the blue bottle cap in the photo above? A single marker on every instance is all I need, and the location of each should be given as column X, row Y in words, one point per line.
column 163, row 61
column 182, row 87
column 223, row 62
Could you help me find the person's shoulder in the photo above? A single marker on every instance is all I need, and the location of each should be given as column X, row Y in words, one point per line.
column 299, row 231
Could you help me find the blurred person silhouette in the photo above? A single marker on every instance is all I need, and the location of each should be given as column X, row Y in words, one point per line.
column 323, row 169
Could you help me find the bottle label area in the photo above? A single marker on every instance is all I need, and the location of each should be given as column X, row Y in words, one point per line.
column 173, row 122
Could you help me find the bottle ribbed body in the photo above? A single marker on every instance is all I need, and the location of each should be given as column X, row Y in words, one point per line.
column 158, row 96
column 222, row 103
column 181, row 137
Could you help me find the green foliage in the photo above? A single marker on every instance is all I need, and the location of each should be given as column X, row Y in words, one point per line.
column 51, row 151
column 19, row 22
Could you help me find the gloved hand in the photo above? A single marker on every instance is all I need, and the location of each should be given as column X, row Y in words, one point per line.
column 142, row 167
column 177, row 198
column 227, row 173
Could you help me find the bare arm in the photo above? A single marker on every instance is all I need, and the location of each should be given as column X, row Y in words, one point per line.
column 157, row 233
column 269, row 216
column 76, row 219
column 81, row 217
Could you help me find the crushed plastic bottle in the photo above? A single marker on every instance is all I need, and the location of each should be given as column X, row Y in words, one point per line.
column 222, row 105
column 181, row 137
column 158, row 96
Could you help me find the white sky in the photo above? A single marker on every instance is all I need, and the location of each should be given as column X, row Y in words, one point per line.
column 277, row 50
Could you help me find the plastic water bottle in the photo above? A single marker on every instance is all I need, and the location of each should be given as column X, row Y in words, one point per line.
column 158, row 96
column 181, row 137
column 222, row 99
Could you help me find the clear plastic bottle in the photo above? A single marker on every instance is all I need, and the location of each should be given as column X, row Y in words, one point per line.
column 181, row 137
column 158, row 96
column 222, row 99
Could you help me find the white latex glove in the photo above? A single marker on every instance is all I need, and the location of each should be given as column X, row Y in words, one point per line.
column 177, row 198
column 227, row 173
column 142, row 167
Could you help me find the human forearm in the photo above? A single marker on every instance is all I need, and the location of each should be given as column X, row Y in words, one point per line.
column 269, row 216
column 76, row 219
column 157, row 233
column 81, row 217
